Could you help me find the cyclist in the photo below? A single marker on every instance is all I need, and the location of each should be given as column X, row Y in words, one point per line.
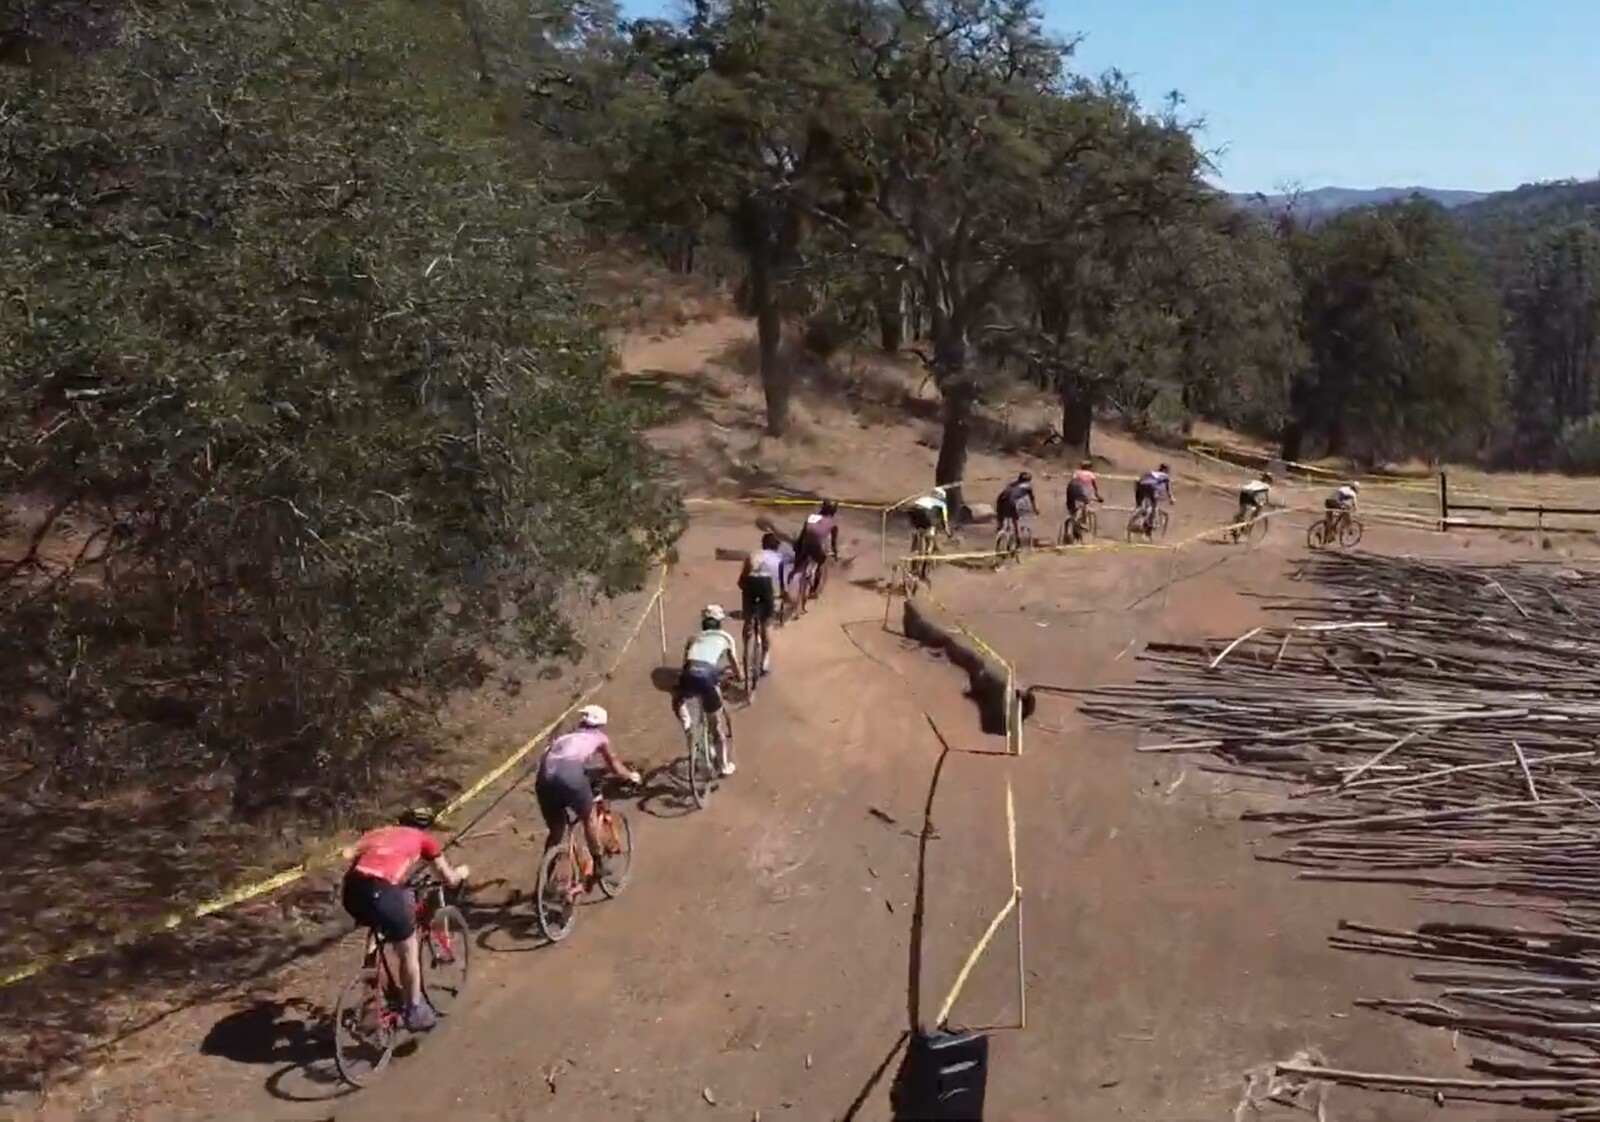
column 375, row 895
column 818, row 540
column 562, row 782
column 1337, row 508
column 933, row 506
column 1252, row 498
column 1009, row 506
column 765, row 572
column 703, row 657
column 1083, row 486
column 1148, row 491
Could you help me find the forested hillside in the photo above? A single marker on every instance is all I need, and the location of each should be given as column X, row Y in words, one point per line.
column 293, row 357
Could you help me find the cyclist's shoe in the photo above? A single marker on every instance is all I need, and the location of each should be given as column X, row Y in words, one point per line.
column 683, row 719
column 766, row 663
column 420, row 1017
column 728, row 768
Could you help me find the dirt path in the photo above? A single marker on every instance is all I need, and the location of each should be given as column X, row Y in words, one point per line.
column 760, row 961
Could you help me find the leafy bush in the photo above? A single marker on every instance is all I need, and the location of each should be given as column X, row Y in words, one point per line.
column 299, row 420
column 1580, row 445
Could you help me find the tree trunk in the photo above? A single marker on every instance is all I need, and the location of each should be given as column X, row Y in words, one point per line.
column 1293, row 442
column 891, row 324
column 960, row 399
column 775, row 380
column 1077, row 420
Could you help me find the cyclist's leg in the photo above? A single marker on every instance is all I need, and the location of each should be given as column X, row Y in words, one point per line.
column 721, row 724
column 680, row 699
column 765, row 606
column 392, row 914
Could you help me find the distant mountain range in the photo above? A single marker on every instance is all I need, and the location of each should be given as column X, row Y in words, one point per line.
column 1327, row 201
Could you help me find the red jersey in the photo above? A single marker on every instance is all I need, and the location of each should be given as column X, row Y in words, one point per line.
column 389, row 852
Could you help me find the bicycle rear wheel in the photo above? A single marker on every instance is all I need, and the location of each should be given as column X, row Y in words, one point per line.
column 366, row 1027
column 702, row 769
column 555, row 896
column 753, row 654
column 1317, row 535
column 617, row 837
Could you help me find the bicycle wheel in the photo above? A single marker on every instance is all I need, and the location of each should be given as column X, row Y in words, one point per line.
column 1350, row 533
column 702, row 770
column 1136, row 526
column 555, row 896
column 1159, row 526
column 446, row 954
column 753, row 654
column 617, row 837
column 1091, row 524
column 1257, row 529
column 1317, row 534
column 366, row 1027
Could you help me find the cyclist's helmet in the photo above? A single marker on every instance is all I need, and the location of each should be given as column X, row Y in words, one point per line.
column 1086, row 465
column 712, row 616
column 1163, row 469
column 830, row 507
column 1266, row 477
column 1025, row 477
column 1355, row 485
column 592, row 717
column 770, row 540
column 417, row 817
column 940, row 493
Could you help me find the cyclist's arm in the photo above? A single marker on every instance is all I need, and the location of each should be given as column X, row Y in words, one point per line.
column 1096, row 481
column 449, row 873
column 733, row 656
column 833, row 541
column 616, row 766
column 944, row 518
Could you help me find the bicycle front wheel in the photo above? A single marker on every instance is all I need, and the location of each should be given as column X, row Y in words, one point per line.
column 446, row 954
column 1257, row 530
column 1091, row 524
column 366, row 1028
column 1350, row 533
column 618, row 840
column 1159, row 529
column 555, row 897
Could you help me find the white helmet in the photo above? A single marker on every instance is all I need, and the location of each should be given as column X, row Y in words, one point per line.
column 940, row 493
column 713, row 613
column 1355, row 485
column 592, row 717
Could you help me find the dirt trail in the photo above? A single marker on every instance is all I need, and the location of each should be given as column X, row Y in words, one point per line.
column 760, row 961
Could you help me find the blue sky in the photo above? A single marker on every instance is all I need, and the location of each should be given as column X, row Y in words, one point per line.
column 1473, row 94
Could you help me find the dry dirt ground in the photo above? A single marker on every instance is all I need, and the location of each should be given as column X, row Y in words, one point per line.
column 761, row 965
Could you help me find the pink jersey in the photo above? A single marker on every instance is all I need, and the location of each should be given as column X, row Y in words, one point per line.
column 576, row 747
column 389, row 852
column 820, row 527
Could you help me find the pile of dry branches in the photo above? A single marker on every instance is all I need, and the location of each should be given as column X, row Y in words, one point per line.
column 1439, row 722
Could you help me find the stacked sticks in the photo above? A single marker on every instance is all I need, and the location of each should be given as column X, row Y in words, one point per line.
column 1439, row 723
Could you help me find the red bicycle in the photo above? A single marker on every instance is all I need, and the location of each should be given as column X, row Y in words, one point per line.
column 369, row 1021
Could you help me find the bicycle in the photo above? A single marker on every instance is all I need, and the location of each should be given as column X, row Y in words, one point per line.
column 1150, row 521
column 703, row 765
column 566, row 872
column 1348, row 532
column 1014, row 536
column 1083, row 523
column 755, row 653
column 1252, row 523
column 373, row 1002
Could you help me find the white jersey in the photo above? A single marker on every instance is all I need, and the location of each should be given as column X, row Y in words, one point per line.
column 711, row 647
column 1345, row 494
column 930, row 503
column 1256, row 487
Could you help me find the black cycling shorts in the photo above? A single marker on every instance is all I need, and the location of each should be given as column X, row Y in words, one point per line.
column 757, row 598
column 1249, row 499
column 921, row 518
column 561, row 787
column 1077, row 495
column 1005, row 508
column 1144, row 493
column 701, row 680
column 1331, row 504
column 389, row 909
